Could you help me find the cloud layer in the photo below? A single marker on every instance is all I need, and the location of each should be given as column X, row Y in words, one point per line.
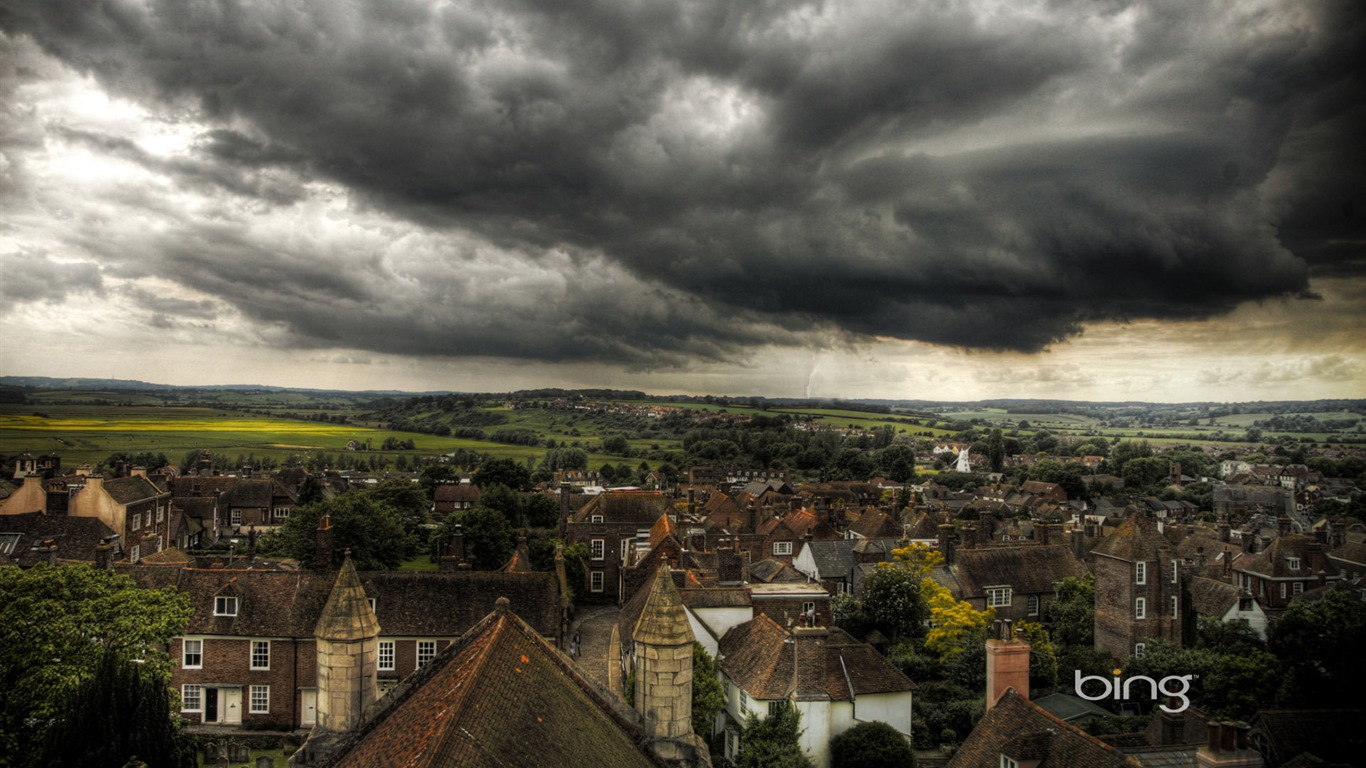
column 655, row 183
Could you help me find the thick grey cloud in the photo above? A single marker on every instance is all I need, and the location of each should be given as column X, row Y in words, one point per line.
column 705, row 176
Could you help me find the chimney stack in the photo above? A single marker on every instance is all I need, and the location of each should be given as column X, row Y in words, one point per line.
column 1224, row 531
column 1007, row 663
column 1226, row 746
column 322, row 557
column 946, row 542
column 104, row 554
column 564, row 510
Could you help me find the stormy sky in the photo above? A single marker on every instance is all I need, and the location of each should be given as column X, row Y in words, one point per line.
column 1083, row 199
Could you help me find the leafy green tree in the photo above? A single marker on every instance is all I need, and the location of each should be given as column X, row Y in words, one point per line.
column 616, row 445
column 540, row 510
column 707, row 697
column 773, row 741
column 871, row 745
column 1144, row 472
column 897, row 462
column 488, row 536
column 310, row 490
column 506, row 472
column 1043, row 661
column 996, row 450
column 56, row 625
column 372, row 529
column 1073, row 612
column 1125, row 450
column 1318, row 643
column 407, row 498
column 893, row 603
column 122, row 710
column 433, row 475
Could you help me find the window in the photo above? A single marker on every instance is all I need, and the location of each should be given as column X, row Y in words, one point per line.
column 235, row 517
column 426, row 651
column 1032, row 605
column 1140, row 573
column 1174, row 572
column 598, row 548
column 595, row 518
column 149, row 518
column 626, row 549
column 134, row 553
column 8, row 541
column 260, row 654
column 260, row 699
column 193, row 656
column 1140, row 608
column 372, row 604
column 998, row 597
column 386, row 655
column 782, row 547
column 137, row 522
column 1138, row 650
column 773, row 707
column 725, row 688
column 1293, row 563
column 595, row 581
column 191, row 698
column 281, row 512
column 744, row 701
column 1176, row 605
column 1008, row 762
column 1282, row 589
column 161, row 513
column 224, row 606
column 1298, row 588
column 809, row 608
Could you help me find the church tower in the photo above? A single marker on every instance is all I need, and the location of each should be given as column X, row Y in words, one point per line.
column 663, row 668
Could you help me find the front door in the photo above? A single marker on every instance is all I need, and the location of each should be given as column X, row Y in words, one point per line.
column 310, row 711
column 232, row 706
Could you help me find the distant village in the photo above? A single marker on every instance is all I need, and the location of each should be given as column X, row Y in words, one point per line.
column 591, row 660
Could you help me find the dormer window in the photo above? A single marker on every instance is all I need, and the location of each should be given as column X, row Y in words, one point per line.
column 225, row 606
column 595, row 518
column 1009, row 762
column 1293, row 563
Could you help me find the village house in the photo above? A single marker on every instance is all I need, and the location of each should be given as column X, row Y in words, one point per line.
column 1140, row 590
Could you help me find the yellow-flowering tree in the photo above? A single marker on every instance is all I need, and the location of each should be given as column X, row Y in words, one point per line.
column 954, row 624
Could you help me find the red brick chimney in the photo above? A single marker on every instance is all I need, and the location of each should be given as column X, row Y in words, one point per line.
column 1007, row 663
column 1226, row 746
column 322, row 556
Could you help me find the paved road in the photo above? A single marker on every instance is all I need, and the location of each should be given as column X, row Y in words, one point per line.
column 594, row 623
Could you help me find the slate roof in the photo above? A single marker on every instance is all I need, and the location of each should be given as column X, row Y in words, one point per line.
column 770, row 662
column 836, row 559
column 74, row 537
column 770, row 571
column 288, row 603
column 875, row 523
column 1351, row 552
column 1272, row 560
column 1027, row 569
column 498, row 696
column 1016, row 726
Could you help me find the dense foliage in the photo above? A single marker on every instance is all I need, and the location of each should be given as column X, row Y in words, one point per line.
column 871, row 745
column 773, row 741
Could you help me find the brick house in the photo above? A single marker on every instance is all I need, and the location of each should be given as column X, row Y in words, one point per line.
column 249, row 655
column 1140, row 591
column 1291, row 566
column 608, row 525
column 1019, row 582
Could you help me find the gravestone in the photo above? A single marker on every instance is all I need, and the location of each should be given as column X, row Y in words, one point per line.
column 265, row 761
column 239, row 753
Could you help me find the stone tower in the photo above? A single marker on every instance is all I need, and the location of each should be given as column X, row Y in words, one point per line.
column 348, row 644
column 663, row 668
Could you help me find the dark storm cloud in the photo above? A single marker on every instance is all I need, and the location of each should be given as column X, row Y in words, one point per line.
column 769, row 171
column 35, row 276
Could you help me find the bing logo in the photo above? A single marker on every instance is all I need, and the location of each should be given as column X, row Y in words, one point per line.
column 1176, row 686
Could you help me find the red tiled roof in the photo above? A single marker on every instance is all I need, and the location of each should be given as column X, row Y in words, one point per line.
column 499, row 696
column 1020, row 729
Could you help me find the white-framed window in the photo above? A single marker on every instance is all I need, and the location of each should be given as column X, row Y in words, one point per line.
column 998, row 597
column 8, row 541
column 225, row 605
column 191, row 698
column 1009, row 762
column 595, row 581
column 1282, row 589
column 809, row 608
column 595, row 518
column 260, row 654
column 782, row 547
column 744, row 701
column 161, row 513
column 260, row 699
column 626, row 549
column 373, row 604
column 773, row 707
column 597, row 549
column 135, row 553
column 192, row 656
column 1293, row 563
column 149, row 518
column 1140, row 608
column 386, row 656
column 1140, row 573
column 1139, row 648
column 1174, row 572
column 1176, row 607
column 281, row 512
column 1297, row 588
column 1032, row 605
column 235, row 517
column 137, row 522
column 426, row 651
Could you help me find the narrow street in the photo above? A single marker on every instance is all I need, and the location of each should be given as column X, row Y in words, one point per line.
column 593, row 624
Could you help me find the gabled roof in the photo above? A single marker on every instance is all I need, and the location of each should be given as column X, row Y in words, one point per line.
column 1027, row 569
column 1022, row 730
column 1135, row 539
column 498, row 696
column 251, row 492
column 1212, row 598
column 452, row 492
column 770, row 571
column 640, row 508
column 132, row 489
column 1273, row 561
column 520, row 562
column 836, row 559
column 771, row 662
